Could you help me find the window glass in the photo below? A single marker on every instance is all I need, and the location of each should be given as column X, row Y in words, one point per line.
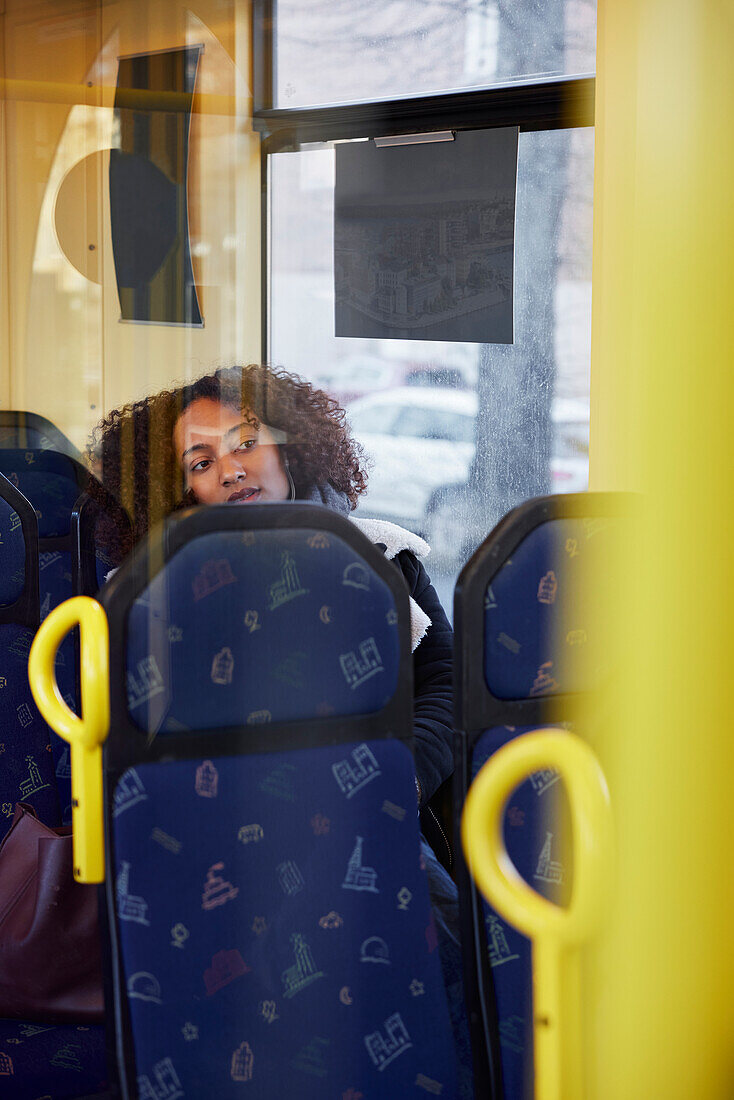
column 422, row 423
column 466, row 431
column 373, row 417
column 329, row 51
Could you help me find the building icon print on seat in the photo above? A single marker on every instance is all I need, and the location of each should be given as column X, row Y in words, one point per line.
column 351, row 777
column 548, row 870
column 288, row 586
column 242, row 1063
column 499, row 951
column 128, row 792
column 34, row 783
column 129, row 906
column 289, row 877
column 384, row 1049
column 303, row 971
column 544, row 779
column 162, row 1084
column 360, row 665
column 144, row 683
column 359, row 877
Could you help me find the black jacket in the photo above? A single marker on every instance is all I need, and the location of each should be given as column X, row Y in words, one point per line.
column 432, row 670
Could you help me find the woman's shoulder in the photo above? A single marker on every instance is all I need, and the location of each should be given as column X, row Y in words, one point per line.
column 394, row 538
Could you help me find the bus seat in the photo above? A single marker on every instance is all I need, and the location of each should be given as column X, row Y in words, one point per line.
column 36, row 1059
column 525, row 648
column 29, row 431
column 62, row 1061
column 27, row 767
column 58, row 488
column 270, row 917
column 101, row 535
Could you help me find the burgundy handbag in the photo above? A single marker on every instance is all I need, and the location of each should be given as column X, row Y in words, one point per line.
column 50, row 961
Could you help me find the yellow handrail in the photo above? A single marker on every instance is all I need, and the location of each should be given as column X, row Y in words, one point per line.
column 86, row 734
column 554, row 931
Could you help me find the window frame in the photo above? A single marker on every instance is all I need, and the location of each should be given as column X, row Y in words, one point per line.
column 558, row 103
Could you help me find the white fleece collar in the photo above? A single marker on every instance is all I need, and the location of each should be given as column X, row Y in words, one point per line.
column 395, row 539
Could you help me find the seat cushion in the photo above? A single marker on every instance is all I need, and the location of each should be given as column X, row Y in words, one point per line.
column 536, row 832
column 39, row 1061
column 27, row 770
column 275, row 926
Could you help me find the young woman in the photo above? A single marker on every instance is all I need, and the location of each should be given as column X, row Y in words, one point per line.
column 243, row 435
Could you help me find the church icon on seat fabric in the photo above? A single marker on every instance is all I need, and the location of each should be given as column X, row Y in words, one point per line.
column 303, row 971
column 359, row 877
column 288, row 586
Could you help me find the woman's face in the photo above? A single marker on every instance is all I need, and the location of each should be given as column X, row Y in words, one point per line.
column 226, row 458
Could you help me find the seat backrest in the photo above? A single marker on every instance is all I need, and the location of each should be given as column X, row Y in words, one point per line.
column 270, row 916
column 69, row 560
column 101, row 535
column 27, row 767
column 29, row 431
column 526, row 648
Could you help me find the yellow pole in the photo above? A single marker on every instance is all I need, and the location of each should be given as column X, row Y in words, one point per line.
column 557, row 933
column 659, row 984
column 85, row 734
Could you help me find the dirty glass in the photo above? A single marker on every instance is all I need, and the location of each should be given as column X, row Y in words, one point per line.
column 456, row 434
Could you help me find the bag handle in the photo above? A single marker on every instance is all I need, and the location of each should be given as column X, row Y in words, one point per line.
column 85, row 734
column 556, row 932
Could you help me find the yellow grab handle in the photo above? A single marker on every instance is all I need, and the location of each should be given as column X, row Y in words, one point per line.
column 553, row 930
column 87, row 734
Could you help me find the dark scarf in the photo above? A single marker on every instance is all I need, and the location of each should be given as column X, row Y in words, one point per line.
column 328, row 495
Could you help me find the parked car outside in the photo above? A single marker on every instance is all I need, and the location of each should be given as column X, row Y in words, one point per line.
column 362, row 375
column 421, row 443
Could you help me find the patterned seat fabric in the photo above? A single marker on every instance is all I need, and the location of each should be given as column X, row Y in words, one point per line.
column 44, row 1060
column 536, row 832
column 26, row 764
column 538, row 639
column 275, row 927
column 52, row 483
column 29, row 431
column 272, row 914
column 36, row 1060
column 258, row 626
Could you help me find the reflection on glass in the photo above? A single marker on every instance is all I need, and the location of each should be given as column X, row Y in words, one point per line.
column 457, row 433
column 334, row 51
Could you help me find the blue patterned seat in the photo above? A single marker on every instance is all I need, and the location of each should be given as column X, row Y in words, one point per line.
column 28, row 431
column 35, row 1059
column 525, row 646
column 48, row 1060
column 27, row 766
column 55, row 485
column 52, row 483
column 271, row 917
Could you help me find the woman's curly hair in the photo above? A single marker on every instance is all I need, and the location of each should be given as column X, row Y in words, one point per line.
column 131, row 450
